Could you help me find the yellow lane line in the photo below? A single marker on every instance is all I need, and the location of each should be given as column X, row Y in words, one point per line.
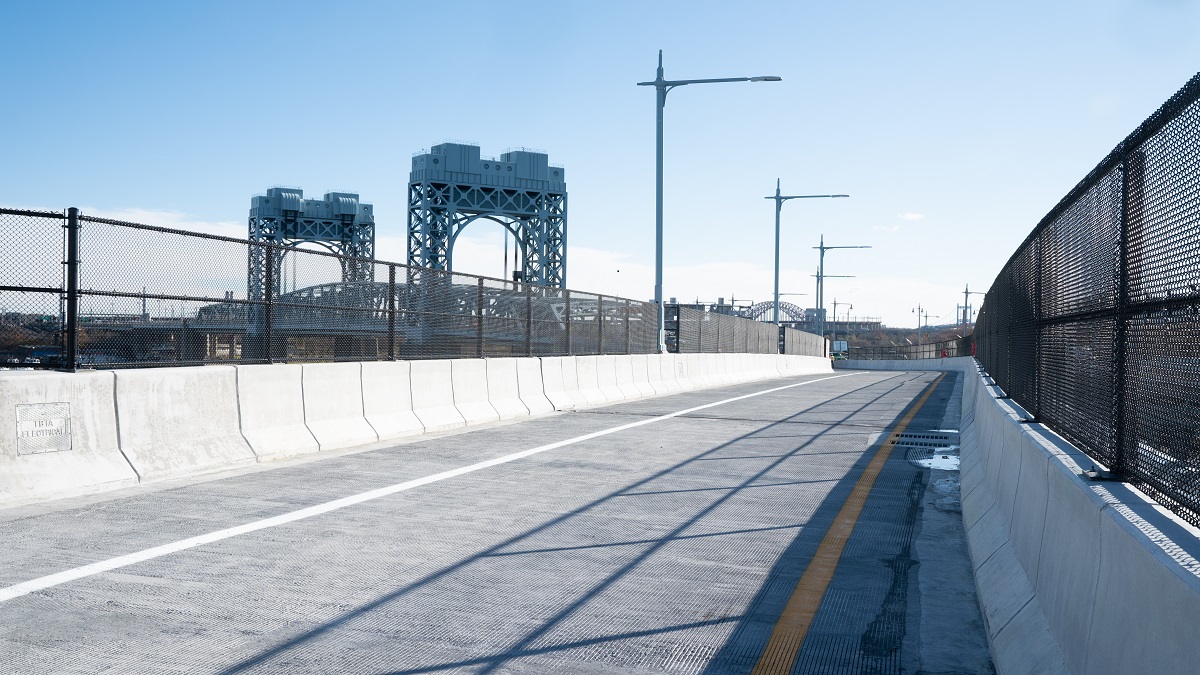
column 788, row 635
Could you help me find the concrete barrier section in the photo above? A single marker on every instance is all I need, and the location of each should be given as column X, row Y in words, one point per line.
column 333, row 405
column 641, row 372
column 531, row 387
column 58, row 436
column 433, row 395
column 271, row 399
column 180, row 421
column 554, row 387
column 669, row 375
column 606, row 378
column 503, row 389
column 387, row 399
column 586, row 368
column 691, row 371
column 470, row 380
column 624, row 372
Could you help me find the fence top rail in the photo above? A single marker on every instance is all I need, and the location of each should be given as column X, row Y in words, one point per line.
column 33, row 214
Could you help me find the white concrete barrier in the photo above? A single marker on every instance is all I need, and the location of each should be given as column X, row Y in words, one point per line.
column 433, row 395
column 606, row 378
column 183, row 421
column 692, row 373
column 531, row 387
column 623, row 366
column 180, row 421
column 553, row 382
column 59, row 436
column 470, row 380
column 271, row 401
column 586, row 368
column 671, row 372
column 387, row 399
column 333, row 405
column 503, row 389
column 639, row 367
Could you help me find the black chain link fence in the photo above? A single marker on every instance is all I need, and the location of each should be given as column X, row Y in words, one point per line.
column 1093, row 326
column 153, row 296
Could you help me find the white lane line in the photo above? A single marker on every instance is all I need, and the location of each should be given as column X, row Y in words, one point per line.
column 49, row 581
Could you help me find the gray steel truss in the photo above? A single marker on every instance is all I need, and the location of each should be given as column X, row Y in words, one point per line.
column 339, row 223
column 451, row 187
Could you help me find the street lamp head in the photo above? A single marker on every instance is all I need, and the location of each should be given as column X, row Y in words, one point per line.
column 836, row 196
column 766, row 78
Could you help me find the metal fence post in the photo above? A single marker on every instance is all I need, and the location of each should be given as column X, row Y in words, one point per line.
column 70, row 357
column 479, row 321
column 391, row 313
column 1119, row 459
column 599, row 324
column 269, row 309
column 627, row 345
column 567, row 318
column 528, row 320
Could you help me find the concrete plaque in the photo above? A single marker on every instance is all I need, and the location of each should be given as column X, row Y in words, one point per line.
column 43, row 427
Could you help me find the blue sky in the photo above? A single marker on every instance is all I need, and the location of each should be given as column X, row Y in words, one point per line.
column 953, row 126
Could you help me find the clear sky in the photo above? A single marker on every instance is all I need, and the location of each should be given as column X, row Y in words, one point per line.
column 954, row 126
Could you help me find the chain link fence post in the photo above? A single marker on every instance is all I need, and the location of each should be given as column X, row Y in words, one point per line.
column 479, row 319
column 391, row 313
column 71, row 329
column 567, row 319
column 528, row 320
column 269, row 310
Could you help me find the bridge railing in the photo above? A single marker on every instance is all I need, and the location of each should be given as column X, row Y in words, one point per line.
column 1093, row 325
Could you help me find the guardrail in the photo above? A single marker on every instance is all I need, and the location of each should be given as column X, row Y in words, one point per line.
column 1093, row 325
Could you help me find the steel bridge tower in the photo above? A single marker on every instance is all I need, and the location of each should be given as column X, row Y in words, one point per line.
column 339, row 222
column 451, row 186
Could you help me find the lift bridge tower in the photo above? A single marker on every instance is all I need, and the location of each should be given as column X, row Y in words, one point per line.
column 451, row 186
column 339, row 222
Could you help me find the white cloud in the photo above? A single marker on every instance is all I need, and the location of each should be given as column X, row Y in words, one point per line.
column 909, row 215
column 172, row 219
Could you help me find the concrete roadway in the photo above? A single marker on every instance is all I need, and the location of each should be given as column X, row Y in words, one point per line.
column 693, row 543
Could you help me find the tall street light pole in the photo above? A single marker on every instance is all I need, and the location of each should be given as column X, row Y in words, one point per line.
column 967, row 293
column 821, row 283
column 779, row 200
column 662, row 86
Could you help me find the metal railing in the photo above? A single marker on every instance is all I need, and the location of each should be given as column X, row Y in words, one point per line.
column 1093, row 325
column 933, row 350
column 79, row 291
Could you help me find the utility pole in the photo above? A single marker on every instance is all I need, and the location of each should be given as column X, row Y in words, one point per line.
column 918, row 310
column 821, row 276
